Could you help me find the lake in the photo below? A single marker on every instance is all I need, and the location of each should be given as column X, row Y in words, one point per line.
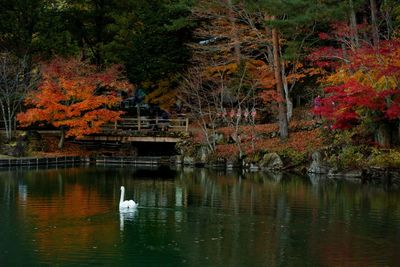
column 193, row 217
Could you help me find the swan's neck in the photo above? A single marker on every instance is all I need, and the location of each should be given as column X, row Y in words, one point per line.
column 122, row 195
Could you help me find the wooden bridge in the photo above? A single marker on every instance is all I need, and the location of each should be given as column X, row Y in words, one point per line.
column 146, row 123
column 143, row 129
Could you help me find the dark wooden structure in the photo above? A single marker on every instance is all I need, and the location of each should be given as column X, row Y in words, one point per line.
column 144, row 123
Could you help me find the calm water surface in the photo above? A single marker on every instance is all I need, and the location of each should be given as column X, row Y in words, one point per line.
column 193, row 217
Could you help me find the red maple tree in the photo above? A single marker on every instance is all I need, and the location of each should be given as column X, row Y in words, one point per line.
column 75, row 97
column 365, row 89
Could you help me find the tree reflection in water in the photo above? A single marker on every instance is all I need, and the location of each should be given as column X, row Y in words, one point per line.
column 199, row 216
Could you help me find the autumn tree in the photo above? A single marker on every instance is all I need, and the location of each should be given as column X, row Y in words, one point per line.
column 282, row 108
column 364, row 91
column 225, row 40
column 232, row 33
column 290, row 33
column 75, row 97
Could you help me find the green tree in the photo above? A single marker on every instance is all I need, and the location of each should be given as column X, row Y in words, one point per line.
column 150, row 38
column 18, row 24
column 34, row 28
column 88, row 22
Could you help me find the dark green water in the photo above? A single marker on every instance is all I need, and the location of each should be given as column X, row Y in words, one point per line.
column 193, row 217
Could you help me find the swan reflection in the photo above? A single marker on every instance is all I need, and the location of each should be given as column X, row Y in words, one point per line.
column 126, row 216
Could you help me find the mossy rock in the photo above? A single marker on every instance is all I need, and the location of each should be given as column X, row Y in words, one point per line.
column 271, row 161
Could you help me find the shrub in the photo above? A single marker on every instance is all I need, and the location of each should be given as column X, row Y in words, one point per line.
column 255, row 157
column 292, row 157
column 349, row 157
column 384, row 158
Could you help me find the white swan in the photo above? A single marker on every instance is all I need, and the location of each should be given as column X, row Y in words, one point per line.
column 127, row 204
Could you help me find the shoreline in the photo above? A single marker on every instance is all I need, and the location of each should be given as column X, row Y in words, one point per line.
column 386, row 176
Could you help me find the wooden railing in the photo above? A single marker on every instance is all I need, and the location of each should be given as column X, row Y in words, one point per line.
column 148, row 124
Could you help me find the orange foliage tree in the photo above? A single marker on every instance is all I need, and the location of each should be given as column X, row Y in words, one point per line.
column 75, row 97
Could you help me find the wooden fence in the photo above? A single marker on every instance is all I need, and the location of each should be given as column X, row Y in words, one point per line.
column 143, row 123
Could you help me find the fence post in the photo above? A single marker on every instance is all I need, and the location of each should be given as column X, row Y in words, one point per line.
column 187, row 124
column 138, row 116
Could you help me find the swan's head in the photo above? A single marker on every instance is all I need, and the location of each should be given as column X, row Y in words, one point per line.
column 122, row 187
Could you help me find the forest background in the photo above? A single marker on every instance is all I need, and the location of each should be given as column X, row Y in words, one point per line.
column 291, row 76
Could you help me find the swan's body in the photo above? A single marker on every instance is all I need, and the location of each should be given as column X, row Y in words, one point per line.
column 126, row 204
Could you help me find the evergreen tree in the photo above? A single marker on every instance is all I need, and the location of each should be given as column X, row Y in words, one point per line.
column 88, row 22
column 150, row 38
column 18, row 24
column 34, row 28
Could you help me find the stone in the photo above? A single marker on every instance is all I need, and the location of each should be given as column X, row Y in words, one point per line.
column 346, row 174
column 253, row 167
column 178, row 160
column 188, row 160
column 271, row 161
column 203, row 154
column 317, row 165
column 231, row 164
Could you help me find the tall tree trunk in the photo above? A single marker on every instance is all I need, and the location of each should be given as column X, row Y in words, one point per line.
column 289, row 103
column 353, row 26
column 62, row 138
column 374, row 24
column 81, row 44
column 5, row 121
column 283, row 123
